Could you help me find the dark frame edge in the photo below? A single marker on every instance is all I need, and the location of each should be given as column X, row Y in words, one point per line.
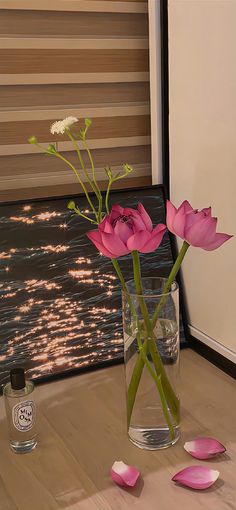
column 165, row 95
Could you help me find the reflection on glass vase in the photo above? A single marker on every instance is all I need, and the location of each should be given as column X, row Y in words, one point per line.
column 151, row 346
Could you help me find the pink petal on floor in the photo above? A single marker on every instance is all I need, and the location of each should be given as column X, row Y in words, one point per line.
column 124, row 475
column 196, row 477
column 204, row 447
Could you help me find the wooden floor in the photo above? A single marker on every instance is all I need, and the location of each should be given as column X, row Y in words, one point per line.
column 82, row 432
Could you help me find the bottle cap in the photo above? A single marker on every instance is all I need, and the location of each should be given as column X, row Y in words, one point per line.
column 17, row 376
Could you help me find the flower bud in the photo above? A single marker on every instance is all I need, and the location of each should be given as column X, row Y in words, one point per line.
column 71, row 205
column 82, row 134
column 32, row 140
column 51, row 148
column 108, row 172
column 87, row 122
column 127, row 168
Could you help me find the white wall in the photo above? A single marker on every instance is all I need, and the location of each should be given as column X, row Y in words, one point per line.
column 202, row 65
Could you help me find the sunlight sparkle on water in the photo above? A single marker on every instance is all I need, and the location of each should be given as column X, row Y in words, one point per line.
column 5, row 255
column 53, row 328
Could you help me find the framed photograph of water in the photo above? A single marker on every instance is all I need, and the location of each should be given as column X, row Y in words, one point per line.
column 60, row 301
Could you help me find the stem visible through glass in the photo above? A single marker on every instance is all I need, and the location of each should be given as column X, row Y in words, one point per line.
column 171, row 398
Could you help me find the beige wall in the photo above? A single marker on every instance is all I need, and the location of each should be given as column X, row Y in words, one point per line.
column 202, row 61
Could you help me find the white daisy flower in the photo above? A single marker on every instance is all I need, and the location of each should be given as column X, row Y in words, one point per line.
column 60, row 126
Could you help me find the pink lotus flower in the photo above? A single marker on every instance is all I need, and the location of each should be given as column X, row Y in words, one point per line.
column 198, row 228
column 204, row 448
column 125, row 230
column 124, row 475
column 196, row 477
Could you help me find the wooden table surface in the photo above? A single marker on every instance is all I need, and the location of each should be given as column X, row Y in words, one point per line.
column 82, row 432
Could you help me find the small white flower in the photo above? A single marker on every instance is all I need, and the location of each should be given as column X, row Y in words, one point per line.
column 60, row 126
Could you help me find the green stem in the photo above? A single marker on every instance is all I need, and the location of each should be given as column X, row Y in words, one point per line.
column 92, row 166
column 139, row 290
column 75, row 144
column 92, row 182
column 170, row 280
column 143, row 352
column 58, row 155
column 84, row 216
column 133, row 386
column 97, row 189
column 172, row 399
column 107, row 196
column 119, row 274
column 124, row 288
column 156, row 378
column 80, row 181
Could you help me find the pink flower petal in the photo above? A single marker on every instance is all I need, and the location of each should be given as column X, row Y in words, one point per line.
column 129, row 211
column 117, row 208
column 196, row 477
column 138, row 240
column 123, row 231
column 206, row 211
column 115, row 213
column 179, row 222
column 219, row 239
column 191, row 218
column 105, row 226
column 202, row 232
column 113, row 243
column 204, row 447
column 95, row 237
column 170, row 215
column 138, row 223
column 124, row 475
column 155, row 241
column 145, row 217
column 185, row 207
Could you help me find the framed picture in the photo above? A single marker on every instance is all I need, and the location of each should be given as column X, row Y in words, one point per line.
column 60, row 302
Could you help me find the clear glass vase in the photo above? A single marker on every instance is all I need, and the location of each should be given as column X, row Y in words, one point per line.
column 151, row 347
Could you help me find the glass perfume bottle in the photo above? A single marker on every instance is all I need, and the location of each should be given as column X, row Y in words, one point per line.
column 21, row 412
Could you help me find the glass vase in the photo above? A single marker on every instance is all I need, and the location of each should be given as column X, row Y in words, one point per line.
column 151, row 350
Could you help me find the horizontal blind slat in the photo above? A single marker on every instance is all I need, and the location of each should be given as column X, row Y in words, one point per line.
column 19, row 132
column 26, row 148
column 56, row 78
column 27, row 180
column 79, row 5
column 68, row 61
column 46, row 23
column 72, row 94
column 37, row 163
column 67, row 189
column 113, row 110
column 70, row 43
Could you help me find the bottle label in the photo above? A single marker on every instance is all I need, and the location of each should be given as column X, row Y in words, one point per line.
column 23, row 415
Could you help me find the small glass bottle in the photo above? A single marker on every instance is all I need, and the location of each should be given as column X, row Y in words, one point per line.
column 21, row 412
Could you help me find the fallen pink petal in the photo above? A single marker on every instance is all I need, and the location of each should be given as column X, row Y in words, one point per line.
column 124, row 475
column 204, row 448
column 196, row 477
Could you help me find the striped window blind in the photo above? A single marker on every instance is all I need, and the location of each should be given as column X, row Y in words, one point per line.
column 85, row 58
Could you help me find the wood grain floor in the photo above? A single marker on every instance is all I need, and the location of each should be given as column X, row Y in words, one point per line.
column 82, row 432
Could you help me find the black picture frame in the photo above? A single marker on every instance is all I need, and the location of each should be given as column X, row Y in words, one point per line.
column 115, row 195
